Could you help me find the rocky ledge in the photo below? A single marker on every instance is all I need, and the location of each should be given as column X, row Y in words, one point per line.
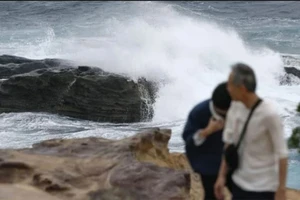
column 292, row 70
column 58, row 86
column 134, row 168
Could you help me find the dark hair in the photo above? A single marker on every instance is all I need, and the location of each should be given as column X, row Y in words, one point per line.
column 220, row 97
column 244, row 75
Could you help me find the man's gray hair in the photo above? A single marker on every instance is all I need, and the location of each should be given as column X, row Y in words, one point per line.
column 244, row 75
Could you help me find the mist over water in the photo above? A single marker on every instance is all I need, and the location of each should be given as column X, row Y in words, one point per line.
column 187, row 48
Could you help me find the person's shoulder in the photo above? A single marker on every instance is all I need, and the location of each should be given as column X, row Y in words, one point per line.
column 236, row 105
column 269, row 108
column 200, row 107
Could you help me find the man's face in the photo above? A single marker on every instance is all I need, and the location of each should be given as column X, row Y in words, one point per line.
column 234, row 91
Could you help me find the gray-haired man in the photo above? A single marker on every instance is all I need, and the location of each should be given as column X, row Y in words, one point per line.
column 263, row 152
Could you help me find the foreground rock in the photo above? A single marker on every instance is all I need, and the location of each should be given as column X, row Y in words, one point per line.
column 20, row 192
column 97, row 168
column 134, row 168
column 55, row 86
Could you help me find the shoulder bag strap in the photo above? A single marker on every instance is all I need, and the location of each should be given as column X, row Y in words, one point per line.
column 247, row 121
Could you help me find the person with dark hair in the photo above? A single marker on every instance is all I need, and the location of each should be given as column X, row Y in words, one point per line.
column 255, row 153
column 202, row 135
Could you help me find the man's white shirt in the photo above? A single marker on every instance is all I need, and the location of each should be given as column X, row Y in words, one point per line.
column 262, row 147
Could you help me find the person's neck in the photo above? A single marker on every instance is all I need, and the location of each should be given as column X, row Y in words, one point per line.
column 250, row 100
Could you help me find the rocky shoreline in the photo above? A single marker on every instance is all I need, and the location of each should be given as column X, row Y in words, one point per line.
column 61, row 87
column 133, row 168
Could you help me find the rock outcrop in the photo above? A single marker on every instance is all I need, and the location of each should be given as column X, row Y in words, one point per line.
column 56, row 86
column 134, row 168
column 291, row 72
column 97, row 168
column 291, row 77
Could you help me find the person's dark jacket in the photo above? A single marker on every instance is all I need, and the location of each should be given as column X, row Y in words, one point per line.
column 206, row 158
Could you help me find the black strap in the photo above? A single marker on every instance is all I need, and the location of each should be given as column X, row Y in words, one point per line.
column 246, row 124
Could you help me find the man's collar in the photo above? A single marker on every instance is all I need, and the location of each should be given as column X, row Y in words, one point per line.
column 213, row 112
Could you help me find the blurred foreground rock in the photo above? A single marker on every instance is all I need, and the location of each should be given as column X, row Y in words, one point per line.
column 134, row 168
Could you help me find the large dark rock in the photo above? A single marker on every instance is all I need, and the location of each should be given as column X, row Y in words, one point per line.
column 13, row 65
column 83, row 92
column 291, row 68
column 291, row 76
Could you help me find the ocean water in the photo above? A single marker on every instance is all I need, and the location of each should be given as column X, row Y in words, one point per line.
column 187, row 47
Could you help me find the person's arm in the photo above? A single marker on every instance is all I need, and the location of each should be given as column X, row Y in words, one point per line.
column 212, row 127
column 275, row 127
column 223, row 168
column 221, row 180
column 199, row 137
column 282, row 173
column 194, row 130
column 227, row 139
column 189, row 129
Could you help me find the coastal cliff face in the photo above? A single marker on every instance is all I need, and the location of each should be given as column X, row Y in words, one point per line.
column 134, row 168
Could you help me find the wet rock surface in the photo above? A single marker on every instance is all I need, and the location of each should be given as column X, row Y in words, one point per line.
column 56, row 86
